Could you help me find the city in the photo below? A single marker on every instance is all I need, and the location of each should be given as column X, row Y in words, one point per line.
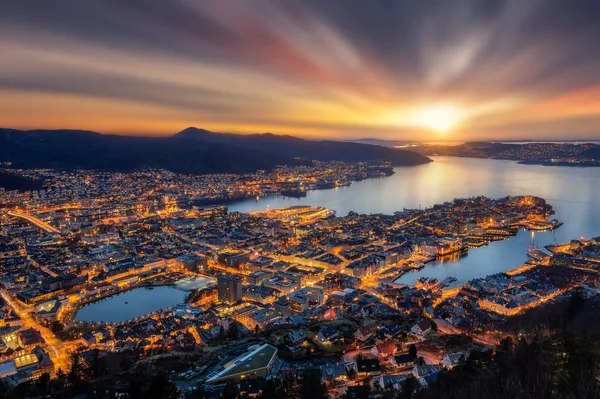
column 279, row 293
column 300, row 199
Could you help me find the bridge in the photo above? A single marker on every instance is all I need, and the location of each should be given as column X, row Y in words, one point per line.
column 39, row 223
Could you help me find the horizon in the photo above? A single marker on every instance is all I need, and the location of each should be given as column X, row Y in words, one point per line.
column 443, row 71
column 440, row 140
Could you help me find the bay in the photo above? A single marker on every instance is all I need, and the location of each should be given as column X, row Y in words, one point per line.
column 574, row 192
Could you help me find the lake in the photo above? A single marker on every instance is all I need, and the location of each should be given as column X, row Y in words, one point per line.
column 574, row 192
column 139, row 302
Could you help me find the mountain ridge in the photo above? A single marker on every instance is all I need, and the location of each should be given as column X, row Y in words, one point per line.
column 194, row 151
column 320, row 150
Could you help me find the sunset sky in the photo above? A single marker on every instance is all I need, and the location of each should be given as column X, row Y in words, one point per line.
column 343, row 69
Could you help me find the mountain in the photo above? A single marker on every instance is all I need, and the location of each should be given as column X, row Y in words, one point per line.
column 71, row 149
column 192, row 151
column 320, row 150
column 384, row 143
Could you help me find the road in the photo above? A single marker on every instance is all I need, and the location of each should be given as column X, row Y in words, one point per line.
column 485, row 339
column 59, row 351
column 39, row 223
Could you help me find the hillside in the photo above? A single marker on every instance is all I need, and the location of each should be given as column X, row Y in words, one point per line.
column 71, row 149
column 321, row 150
column 191, row 151
column 593, row 153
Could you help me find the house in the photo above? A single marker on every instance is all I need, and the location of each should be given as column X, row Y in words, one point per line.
column 365, row 333
column 421, row 329
column 327, row 335
column 452, row 359
column 391, row 331
column 392, row 381
column 295, row 339
column 404, row 360
column 384, row 349
column 334, row 372
column 367, row 366
column 423, row 370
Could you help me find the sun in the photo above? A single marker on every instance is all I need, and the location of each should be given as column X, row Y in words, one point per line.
column 440, row 118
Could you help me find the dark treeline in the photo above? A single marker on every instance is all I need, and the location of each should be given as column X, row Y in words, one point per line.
column 557, row 355
column 558, row 366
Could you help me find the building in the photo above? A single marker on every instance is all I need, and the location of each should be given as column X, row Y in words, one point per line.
column 327, row 336
column 365, row 333
column 233, row 258
column 255, row 363
column 403, row 360
column 229, row 288
column 295, row 339
column 451, row 360
column 421, row 329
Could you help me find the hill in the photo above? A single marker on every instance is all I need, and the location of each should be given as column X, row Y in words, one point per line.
column 321, row 150
column 71, row 149
column 191, row 151
column 593, row 153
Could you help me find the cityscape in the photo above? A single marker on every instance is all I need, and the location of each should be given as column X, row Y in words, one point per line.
column 279, row 292
column 300, row 199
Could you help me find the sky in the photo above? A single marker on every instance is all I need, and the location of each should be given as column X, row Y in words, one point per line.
column 342, row 69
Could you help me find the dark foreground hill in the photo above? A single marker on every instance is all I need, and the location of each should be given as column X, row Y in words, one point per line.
column 181, row 153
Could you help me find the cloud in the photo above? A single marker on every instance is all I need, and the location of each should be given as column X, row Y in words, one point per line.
column 336, row 68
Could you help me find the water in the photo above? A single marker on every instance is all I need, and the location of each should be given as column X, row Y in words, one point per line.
column 574, row 192
column 194, row 283
column 138, row 302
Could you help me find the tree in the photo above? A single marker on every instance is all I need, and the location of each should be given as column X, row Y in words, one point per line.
column 576, row 304
column 75, row 372
column 434, row 326
column 232, row 332
column 506, row 345
column 412, row 351
column 230, row 391
column 161, row 388
column 199, row 393
column 42, row 382
column 351, row 373
column 289, row 388
column 364, row 389
column 409, row 387
column 312, row 387
column 271, row 390
column 95, row 366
